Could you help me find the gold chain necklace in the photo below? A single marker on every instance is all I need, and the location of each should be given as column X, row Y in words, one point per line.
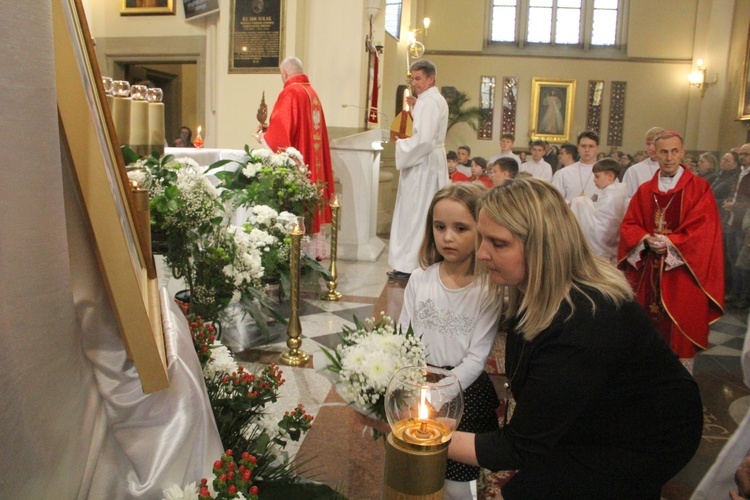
column 660, row 216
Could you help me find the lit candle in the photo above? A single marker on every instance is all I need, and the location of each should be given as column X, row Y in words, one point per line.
column 407, row 108
column 334, row 201
column 198, row 142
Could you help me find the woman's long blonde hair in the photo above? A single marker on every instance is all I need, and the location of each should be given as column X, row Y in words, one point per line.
column 557, row 255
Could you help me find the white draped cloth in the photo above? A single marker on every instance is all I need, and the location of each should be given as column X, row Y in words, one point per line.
column 719, row 479
column 600, row 220
column 423, row 170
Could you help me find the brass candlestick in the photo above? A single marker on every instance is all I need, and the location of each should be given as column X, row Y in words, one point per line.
column 295, row 357
column 332, row 294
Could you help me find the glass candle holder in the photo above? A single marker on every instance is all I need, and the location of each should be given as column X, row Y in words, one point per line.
column 155, row 94
column 139, row 176
column 121, row 88
column 107, row 83
column 139, row 92
column 424, row 405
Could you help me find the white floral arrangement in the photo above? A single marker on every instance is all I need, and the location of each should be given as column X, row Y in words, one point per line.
column 367, row 358
column 278, row 180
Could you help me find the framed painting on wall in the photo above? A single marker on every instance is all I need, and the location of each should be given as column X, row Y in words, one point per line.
column 146, row 7
column 744, row 108
column 552, row 109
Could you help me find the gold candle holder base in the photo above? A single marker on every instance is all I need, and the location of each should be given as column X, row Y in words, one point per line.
column 331, row 295
column 413, row 473
column 291, row 359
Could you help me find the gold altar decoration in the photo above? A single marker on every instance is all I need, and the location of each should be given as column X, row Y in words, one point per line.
column 294, row 356
column 332, row 294
column 424, row 406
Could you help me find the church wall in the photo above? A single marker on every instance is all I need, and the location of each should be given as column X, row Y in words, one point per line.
column 646, row 104
column 331, row 50
column 733, row 132
column 660, row 48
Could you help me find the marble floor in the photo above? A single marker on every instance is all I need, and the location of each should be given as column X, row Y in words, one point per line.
column 340, row 453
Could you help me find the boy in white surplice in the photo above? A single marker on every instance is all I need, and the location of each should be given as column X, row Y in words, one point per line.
column 600, row 218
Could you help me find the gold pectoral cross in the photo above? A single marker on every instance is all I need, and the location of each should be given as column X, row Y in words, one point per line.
column 661, row 222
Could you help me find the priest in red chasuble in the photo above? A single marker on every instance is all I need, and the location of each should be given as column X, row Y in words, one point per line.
column 297, row 120
column 671, row 250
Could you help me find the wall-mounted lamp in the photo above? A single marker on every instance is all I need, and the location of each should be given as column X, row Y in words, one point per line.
column 698, row 78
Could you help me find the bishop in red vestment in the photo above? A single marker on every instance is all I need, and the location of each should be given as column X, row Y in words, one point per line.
column 671, row 251
column 297, row 120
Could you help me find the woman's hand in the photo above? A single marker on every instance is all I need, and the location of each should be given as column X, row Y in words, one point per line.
column 376, row 424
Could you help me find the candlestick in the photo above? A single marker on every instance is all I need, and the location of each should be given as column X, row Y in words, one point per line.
column 198, row 142
column 295, row 357
column 424, row 406
column 140, row 182
column 332, row 294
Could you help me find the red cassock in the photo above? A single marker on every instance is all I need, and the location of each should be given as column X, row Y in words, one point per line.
column 297, row 120
column 684, row 300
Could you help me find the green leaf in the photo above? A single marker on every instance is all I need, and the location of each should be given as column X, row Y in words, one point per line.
column 219, row 163
column 129, row 155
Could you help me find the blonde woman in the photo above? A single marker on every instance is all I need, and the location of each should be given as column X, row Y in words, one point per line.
column 604, row 408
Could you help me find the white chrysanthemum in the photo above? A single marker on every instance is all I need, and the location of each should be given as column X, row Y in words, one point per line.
column 259, row 155
column 251, row 169
column 174, row 492
column 221, row 361
column 294, row 153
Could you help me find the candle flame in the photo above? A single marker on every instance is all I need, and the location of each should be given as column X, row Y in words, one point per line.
column 199, row 129
column 335, row 200
column 423, row 405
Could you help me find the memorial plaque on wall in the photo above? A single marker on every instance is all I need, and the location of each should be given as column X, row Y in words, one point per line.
column 256, row 43
column 199, row 8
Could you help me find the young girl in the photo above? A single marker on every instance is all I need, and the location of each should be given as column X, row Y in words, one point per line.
column 445, row 306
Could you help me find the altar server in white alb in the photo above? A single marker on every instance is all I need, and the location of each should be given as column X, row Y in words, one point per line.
column 420, row 160
column 600, row 219
column 537, row 167
column 578, row 179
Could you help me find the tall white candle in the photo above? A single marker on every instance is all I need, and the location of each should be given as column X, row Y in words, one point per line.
column 138, row 124
column 121, row 118
column 156, row 126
